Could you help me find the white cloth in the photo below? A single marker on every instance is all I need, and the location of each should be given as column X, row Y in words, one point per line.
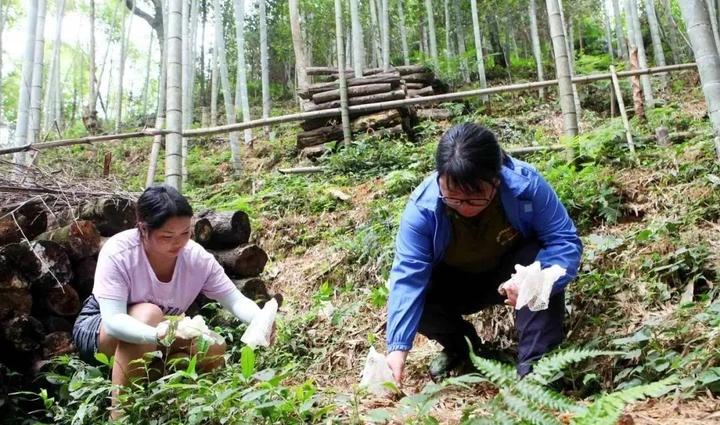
column 534, row 285
column 376, row 373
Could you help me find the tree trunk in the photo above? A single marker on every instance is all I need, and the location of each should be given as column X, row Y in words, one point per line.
column 84, row 276
column 478, row 48
column 636, row 87
column 109, row 214
column 264, row 67
column 23, row 114
column 712, row 13
column 80, row 239
column 374, row 35
column 53, row 92
column 214, row 86
column 56, row 344
column 619, row 32
column 222, row 230
column 241, row 93
column 562, row 69
column 24, row 333
column 32, row 219
column 431, row 34
column 227, row 90
column 360, row 100
column 536, row 44
column 352, row 92
column 14, row 302
column 158, row 140
column 403, row 34
column 697, row 22
column 656, row 41
column 460, row 35
column 90, row 119
column 186, row 84
column 385, row 22
column 298, row 45
column 173, row 143
column 677, row 49
column 125, row 39
column 146, row 86
column 3, row 18
column 247, row 260
column 342, row 77
column 60, row 300
column 357, row 38
column 636, row 40
column 568, row 30
column 448, row 47
column 42, row 263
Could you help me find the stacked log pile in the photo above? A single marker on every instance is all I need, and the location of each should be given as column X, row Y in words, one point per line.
column 373, row 87
column 47, row 270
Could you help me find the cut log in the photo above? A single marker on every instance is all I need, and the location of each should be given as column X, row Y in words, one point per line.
column 389, row 131
column 80, row 239
column 52, row 266
column 322, row 135
column 32, row 219
column 422, row 77
column 24, row 333
column 434, row 114
column 425, row 91
column 355, row 91
column 247, row 260
column 319, row 136
column 413, row 69
column 111, row 215
column 393, row 78
column 14, row 302
column 55, row 324
column 415, row 86
column 56, row 344
column 202, row 230
column 84, row 276
column 10, row 278
column 360, row 100
column 61, row 300
column 314, row 152
column 378, row 119
column 227, row 230
column 253, row 288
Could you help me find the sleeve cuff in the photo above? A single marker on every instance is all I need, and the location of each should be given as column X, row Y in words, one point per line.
column 398, row 346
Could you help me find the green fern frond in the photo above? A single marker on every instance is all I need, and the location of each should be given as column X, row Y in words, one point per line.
column 527, row 411
column 608, row 408
column 499, row 373
column 502, row 418
column 549, row 365
column 547, row 398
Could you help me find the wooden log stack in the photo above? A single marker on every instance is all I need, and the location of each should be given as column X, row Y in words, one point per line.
column 374, row 86
column 47, row 272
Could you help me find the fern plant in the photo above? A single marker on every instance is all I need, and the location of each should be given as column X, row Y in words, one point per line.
column 530, row 401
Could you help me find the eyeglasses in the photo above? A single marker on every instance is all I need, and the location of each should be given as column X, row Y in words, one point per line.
column 475, row 202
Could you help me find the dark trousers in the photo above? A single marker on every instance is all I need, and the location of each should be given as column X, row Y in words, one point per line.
column 453, row 293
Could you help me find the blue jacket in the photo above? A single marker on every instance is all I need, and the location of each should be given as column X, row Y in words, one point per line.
column 531, row 206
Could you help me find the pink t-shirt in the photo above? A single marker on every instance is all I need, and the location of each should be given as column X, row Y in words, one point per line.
column 124, row 273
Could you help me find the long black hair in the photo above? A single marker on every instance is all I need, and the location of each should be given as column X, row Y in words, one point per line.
column 159, row 203
column 467, row 155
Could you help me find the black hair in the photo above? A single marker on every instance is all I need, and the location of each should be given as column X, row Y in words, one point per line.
column 159, row 203
column 467, row 155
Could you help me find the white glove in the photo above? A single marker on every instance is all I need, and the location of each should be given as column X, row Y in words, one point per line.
column 259, row 331
column 376, row 373
column 534, row 285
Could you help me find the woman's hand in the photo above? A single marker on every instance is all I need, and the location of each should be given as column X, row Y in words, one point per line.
column 510, row 290
column 396, row 361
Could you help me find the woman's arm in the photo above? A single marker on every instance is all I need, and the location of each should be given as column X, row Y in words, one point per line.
column 239, row 305
column 120, row 325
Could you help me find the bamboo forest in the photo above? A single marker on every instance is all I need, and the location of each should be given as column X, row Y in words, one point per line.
column 360, row 212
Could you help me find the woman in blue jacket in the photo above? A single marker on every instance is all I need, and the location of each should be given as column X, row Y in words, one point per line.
column 462, row 232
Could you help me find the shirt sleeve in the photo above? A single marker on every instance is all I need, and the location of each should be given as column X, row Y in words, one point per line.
column 409, row 278
column 111, row 280
column 120, row 325
column 218, row 284
column 557, row 233
column 239, row 305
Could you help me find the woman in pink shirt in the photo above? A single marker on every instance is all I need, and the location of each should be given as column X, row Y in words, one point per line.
column 144, row 274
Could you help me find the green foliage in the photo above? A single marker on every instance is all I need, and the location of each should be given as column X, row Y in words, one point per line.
column 588, row 193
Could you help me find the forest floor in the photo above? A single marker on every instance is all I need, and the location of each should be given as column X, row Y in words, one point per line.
column 647, row 288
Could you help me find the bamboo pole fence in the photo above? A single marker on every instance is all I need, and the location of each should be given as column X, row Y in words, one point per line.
column 334, row 112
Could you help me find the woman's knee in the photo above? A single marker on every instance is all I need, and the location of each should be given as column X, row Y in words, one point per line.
column 147, row 313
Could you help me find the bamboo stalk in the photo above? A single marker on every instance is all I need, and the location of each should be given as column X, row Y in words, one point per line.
column 621, row 106
column 334, row 112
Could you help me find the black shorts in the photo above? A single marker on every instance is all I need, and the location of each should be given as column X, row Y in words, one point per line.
column 87, row 330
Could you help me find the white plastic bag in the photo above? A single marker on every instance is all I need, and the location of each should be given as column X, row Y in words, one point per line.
column 535, row 284
column 259, row 330
column 376, row 373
